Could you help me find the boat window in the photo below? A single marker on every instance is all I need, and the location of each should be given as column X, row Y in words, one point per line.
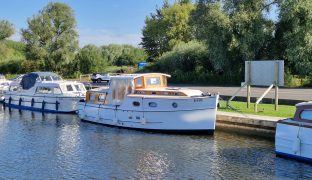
column 80, row 87
column 306, row 115
column 44, row 90
column 57, row 90
column 46, row 78
column 69, row 87
column 153, row 81
column 174, row 105
column 136, row 103
column 102, row 97
column 152, row 104
column 56, row 78
column 138, row 82
column 14, row 88
column 92, row 97
column 121, row 90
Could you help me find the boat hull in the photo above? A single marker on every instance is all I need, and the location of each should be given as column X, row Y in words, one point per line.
column 43, row 103
column 292, row 140
column 198, row 118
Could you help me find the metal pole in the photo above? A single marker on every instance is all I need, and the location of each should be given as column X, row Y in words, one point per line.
column 248, row 84
column 276, row 97
column 276, row 84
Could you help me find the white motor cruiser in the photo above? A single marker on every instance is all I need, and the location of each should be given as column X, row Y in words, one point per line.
column 4, row 84
column 144, row 102
column 46, row 92
column 293, row 136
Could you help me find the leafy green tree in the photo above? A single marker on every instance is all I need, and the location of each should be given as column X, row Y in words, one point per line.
column 51, row 36
column 167, row 28
column 90, row 59
column 184, row 57
column 294, row 35
column 120, row 55
column 6, row 29
column 234, row 31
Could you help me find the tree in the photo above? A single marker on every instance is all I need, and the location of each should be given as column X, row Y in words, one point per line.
column 294, row 35
column 167, row 28
column 90, row 59
column 51, row 36
column 6, row 29
column 120, row 55
column 233, row 31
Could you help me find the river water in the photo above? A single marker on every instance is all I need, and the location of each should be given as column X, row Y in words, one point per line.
column 51, row 146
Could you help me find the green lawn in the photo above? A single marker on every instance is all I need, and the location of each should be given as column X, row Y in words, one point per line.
column 263, row 109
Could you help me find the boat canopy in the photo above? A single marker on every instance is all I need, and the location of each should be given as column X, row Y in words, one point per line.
column 29, row 80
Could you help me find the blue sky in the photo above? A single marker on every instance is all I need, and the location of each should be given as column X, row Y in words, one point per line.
column 98, row 21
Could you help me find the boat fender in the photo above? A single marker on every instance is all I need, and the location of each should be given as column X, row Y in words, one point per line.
column 32, row 102
column 10, row 100
column 20, row 101
column 143, row 121
column 43, row 105
column 296, row 145
column 57, row 105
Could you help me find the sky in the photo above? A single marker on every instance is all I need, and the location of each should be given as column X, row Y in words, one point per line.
column 99, row 22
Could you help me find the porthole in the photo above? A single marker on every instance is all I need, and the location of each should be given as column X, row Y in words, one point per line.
column 174, row 105
column 152, row 104
column 136, row 103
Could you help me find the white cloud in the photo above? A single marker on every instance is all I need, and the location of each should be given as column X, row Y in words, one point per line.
column 16, row 37
column 99, row 37
column 104, row 37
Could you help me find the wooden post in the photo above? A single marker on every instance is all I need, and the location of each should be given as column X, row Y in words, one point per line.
column 276, row 84
column 248, row 84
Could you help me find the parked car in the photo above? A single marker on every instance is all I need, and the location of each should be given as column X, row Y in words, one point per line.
column 99, row 77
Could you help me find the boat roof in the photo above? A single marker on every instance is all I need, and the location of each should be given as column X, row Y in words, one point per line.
column 304, row 104
column 44, row 73
column 133, row 76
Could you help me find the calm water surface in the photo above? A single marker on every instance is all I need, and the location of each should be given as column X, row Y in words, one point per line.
column 50, row 146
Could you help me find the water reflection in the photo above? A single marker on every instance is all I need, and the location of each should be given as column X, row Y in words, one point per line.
column 51, row 146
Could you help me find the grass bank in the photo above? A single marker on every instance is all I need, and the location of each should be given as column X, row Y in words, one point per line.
column 263, row 109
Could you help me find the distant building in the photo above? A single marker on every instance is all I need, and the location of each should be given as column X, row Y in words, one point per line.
column 142, row 64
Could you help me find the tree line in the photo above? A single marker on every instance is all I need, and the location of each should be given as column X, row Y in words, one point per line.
column 209, row 40
column 206, row 41
column 50, row 43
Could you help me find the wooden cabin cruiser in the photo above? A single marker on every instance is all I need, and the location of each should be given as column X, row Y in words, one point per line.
column 293, row 136
column 46, row 92
column 144, row 102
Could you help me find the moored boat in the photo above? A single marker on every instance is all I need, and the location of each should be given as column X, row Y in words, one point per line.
column 144, row 102
column 293, row 135
column 4, row 85
column 46, row 92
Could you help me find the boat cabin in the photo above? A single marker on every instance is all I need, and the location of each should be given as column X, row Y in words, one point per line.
column 150, row 84
column 46, row 83
column 303, row 112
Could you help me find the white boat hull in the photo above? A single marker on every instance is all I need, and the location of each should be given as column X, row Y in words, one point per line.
column 190, row 115
column 43, row 103
column 293, row 140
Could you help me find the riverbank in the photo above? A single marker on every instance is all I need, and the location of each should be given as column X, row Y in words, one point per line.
column 256, row 125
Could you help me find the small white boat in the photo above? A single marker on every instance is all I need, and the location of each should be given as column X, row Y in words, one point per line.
column 293, row 136
column 46, row 92
column 4, row 85
column 144, row 102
